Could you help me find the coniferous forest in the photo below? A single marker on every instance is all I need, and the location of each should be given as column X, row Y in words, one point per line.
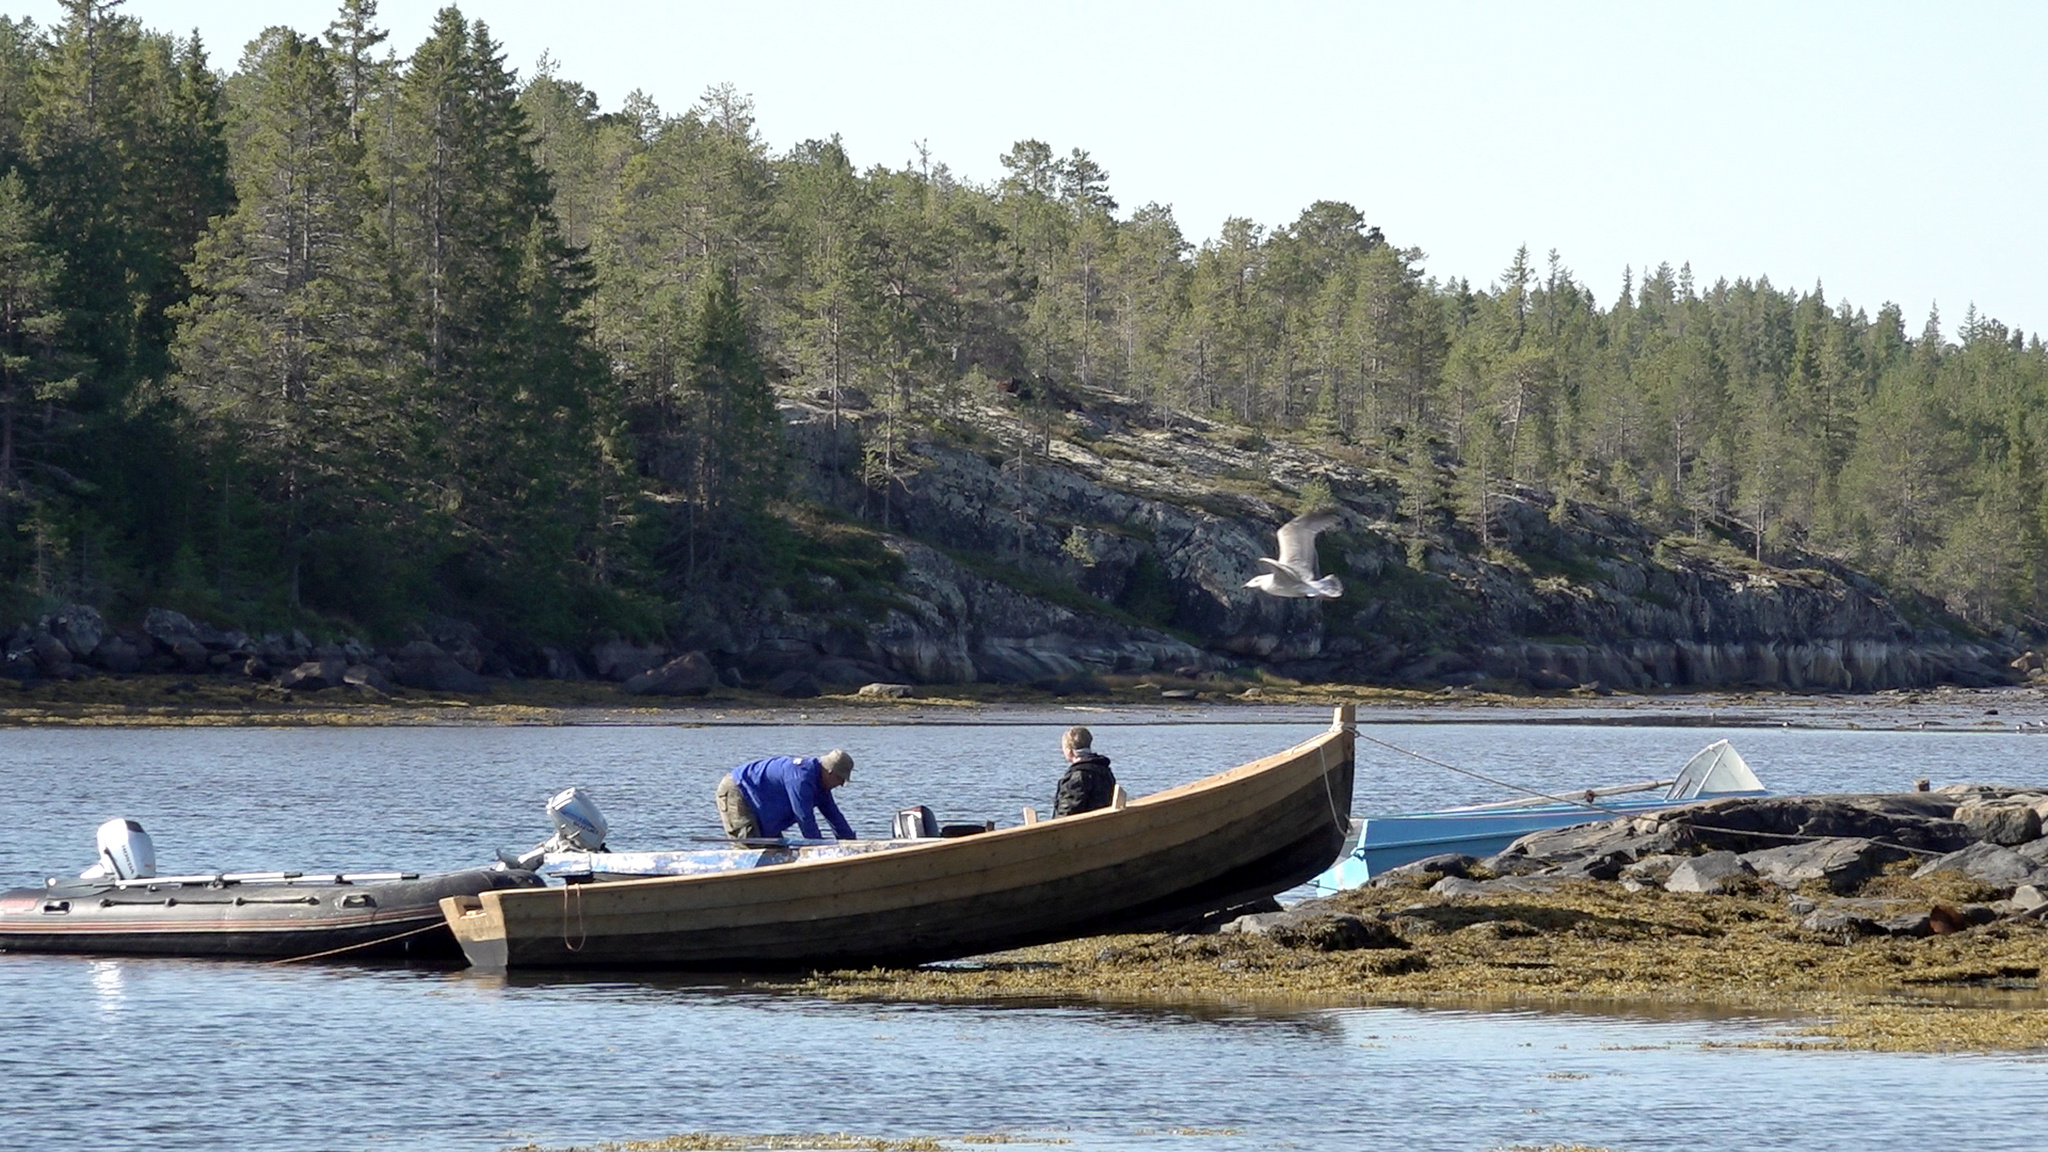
column 341, row 333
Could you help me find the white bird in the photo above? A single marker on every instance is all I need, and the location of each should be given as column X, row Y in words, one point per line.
column 1293, row 575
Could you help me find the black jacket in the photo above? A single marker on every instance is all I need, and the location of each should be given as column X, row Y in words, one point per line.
column 1085, row 787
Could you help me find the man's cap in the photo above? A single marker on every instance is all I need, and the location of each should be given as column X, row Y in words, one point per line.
column 838, row 763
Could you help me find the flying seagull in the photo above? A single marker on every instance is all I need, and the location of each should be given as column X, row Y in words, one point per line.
column 1294, row 573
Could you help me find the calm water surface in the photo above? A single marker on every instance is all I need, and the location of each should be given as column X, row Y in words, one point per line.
column 180, row 1054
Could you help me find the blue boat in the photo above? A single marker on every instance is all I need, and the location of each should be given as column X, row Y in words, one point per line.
column 1383, row 842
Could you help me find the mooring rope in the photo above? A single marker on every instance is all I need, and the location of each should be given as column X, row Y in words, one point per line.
column 364, row 944
column 582, row 931
column 1484, row 778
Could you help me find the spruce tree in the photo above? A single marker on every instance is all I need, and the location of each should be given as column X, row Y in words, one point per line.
column 732, row 433
column 505, row 457
column 32, row 365
column 283, row 351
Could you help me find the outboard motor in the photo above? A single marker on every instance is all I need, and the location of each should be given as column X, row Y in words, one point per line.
column 916, row 823
column 579, row 827
column 126, row 852
column 578, row 823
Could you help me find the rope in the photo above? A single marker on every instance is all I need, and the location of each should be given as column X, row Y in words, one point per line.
column 582, row 932
column 1482, row 777
column 364, row 944
column 1597, row 807
column 1343, row 819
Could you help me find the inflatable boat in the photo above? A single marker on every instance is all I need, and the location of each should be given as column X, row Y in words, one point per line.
column 120, row 906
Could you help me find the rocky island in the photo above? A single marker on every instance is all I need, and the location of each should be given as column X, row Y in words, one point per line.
column 1905, row 922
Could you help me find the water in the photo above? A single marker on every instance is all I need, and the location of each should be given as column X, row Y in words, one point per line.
column 176, row 1054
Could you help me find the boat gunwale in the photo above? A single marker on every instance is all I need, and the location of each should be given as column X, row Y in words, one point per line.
column 960, row 845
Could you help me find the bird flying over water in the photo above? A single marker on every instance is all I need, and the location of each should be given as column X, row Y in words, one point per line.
column 1293, row 575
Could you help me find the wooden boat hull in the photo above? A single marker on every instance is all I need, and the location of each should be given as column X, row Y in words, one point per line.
column 1163, row 859
column 384, row 919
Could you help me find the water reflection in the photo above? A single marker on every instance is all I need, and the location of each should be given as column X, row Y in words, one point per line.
column 581, row 1058
column 109, row 991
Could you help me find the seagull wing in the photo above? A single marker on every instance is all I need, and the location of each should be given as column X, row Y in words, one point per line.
column 1298, row 542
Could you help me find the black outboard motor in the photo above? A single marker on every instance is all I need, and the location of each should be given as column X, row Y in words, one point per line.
column 915, row 823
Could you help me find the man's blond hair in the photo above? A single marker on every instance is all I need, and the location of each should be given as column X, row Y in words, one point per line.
column 1076, row 739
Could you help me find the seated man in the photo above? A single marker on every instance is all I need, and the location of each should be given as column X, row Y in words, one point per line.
column 1088, row 782
column 763, row 798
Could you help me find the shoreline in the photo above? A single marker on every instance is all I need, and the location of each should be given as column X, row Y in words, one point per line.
column 174, row 701
column 1578, row 949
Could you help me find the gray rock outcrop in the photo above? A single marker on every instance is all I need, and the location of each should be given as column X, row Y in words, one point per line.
column 2000, row 821
column 1993, row 865
column 1709, row 872
column 1162, row 521
column 438, row 672
column 1842, row 863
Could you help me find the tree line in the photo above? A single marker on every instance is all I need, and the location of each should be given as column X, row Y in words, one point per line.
column 344, row 335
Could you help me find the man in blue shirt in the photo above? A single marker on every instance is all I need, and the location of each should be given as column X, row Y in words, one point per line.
column 763, row 798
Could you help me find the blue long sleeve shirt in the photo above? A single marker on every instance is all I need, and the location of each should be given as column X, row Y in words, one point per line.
column 783, row 790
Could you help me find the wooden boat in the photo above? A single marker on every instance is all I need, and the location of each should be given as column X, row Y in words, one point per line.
column 1159, row 860
column 1383, row 842
column 380, row 915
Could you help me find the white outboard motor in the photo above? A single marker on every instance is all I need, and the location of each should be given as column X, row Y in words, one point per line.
column 578, row 823
column 579, row 827
column 126, row 852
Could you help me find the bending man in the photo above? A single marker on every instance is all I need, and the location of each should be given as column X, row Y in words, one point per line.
column 763, row 798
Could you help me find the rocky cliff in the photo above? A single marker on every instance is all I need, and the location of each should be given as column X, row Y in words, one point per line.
column 1161, row 527
column 1047, row 540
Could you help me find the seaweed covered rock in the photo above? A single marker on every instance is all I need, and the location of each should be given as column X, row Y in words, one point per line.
column 1992, row 865
column 1426, row 871
column 1318, row 926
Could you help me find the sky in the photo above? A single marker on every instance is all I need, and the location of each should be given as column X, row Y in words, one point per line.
column 1889, row 152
